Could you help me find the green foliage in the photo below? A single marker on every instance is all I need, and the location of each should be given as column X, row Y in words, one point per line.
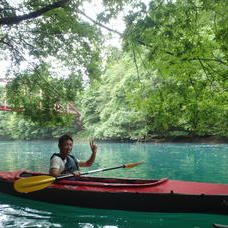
column 106, row 109
column 170, row 77
column 12, row 126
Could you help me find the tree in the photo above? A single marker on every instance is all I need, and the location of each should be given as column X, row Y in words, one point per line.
column 51, row 28
column 172, row 76
column 54, row 32
column 185, row 42
column 45, row 31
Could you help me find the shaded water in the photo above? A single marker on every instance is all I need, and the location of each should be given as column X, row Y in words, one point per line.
column 183, row 161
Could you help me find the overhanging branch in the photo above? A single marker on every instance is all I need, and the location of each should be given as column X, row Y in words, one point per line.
column 35, row 14
column 99, row 24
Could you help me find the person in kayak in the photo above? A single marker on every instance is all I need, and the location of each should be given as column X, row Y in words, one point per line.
column 63, row 162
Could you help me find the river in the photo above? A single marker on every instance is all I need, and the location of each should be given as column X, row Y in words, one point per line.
column 177, row 161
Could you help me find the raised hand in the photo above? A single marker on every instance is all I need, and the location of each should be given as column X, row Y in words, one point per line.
column 93, row 146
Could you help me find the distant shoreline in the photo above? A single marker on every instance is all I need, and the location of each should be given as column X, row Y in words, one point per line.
column 168, row 139
column 189, row 139
column 172, row 139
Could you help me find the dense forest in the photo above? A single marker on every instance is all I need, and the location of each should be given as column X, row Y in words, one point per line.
column 168, row 78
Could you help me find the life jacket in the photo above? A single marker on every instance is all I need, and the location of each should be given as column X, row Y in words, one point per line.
column 71, row 163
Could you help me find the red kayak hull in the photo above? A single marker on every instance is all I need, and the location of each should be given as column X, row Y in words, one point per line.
column 162, row 195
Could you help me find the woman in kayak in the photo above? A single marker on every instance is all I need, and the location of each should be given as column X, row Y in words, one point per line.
column 63, row 162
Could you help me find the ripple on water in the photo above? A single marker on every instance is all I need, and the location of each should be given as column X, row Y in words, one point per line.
column 24, row 217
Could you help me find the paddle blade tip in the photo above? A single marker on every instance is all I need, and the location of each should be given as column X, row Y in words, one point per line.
column 131, row 165
column 32, row 184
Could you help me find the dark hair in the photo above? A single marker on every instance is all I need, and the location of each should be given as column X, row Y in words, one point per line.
column 63, row 138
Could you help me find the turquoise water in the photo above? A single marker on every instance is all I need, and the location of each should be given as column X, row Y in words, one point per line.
column 182, row 161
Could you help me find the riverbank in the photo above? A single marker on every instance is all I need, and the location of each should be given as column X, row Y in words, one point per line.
column 168, row 139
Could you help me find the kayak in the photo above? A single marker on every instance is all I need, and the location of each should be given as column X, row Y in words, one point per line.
column 220, row 226
column 162, row 195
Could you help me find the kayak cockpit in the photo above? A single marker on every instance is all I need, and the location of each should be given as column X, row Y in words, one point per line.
column 112, row 182
column 102, row 181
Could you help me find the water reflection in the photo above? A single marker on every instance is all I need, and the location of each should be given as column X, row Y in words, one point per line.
column 17, row 212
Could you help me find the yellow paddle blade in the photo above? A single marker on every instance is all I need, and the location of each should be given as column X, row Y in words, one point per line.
column 131, row 165
column 31, row 184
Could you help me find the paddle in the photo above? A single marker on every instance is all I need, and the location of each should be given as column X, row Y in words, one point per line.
column 31, row 184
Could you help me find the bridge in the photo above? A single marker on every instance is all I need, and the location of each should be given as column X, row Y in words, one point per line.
column 5, row 108
column 4, row 81
column 68, row 109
